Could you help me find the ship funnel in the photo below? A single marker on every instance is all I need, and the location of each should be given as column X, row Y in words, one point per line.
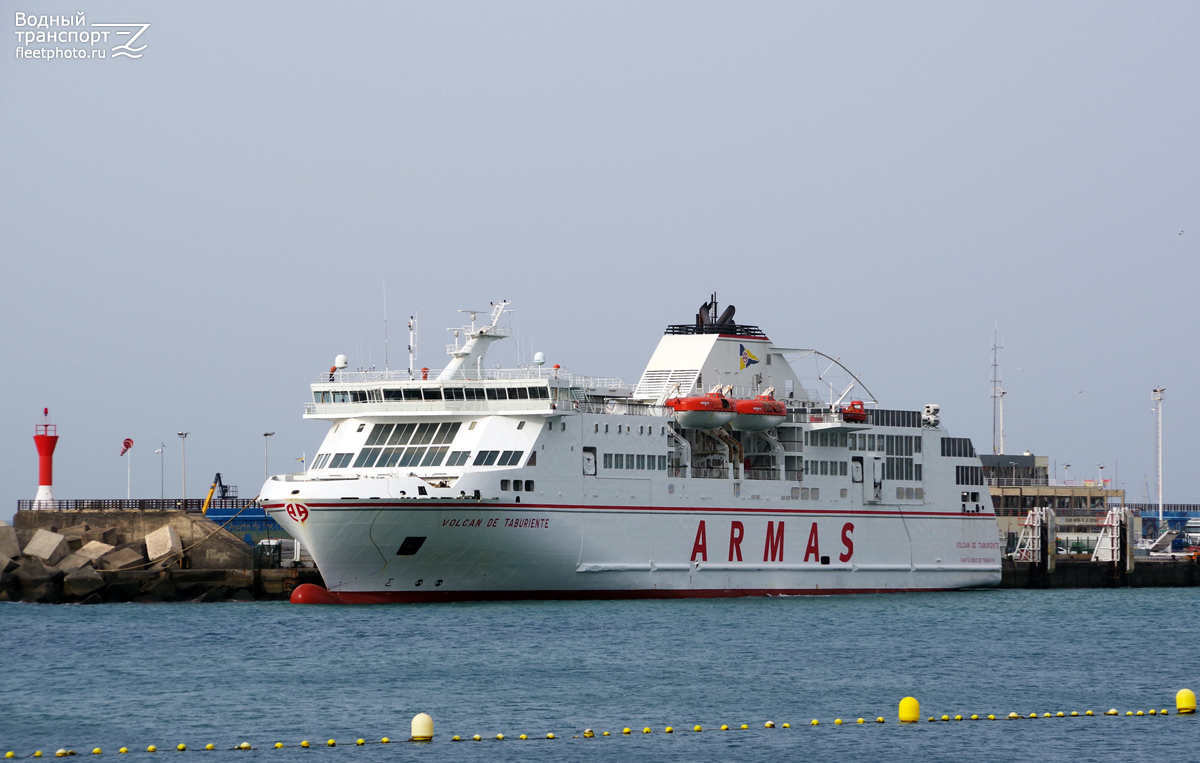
column 45, row 437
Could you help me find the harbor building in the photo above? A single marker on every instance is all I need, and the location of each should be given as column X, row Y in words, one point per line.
column 1019, row 483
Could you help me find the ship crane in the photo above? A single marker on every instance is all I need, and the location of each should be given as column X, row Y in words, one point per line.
column 226, row 491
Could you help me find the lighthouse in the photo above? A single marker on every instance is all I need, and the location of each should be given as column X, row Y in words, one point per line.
column 46, row 438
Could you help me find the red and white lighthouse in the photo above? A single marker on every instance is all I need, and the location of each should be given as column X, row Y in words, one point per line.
column 46, row 438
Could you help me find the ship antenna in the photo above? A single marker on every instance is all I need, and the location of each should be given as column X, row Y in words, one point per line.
column 997, row 400
column 412, row 344
column 385, row 335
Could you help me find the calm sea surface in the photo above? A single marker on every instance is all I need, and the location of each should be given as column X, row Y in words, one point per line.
column 81, row 677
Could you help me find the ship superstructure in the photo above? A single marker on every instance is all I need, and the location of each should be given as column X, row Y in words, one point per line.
column 482, row 483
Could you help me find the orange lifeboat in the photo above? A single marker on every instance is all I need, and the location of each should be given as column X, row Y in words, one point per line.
column 702, row 411
column 758, row 415
column 854, row 411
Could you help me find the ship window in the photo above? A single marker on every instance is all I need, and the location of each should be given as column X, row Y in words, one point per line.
column 481, row 456
column 549, row 426
column 870, row 442
column 641, row 461
column 401, row 434
column 447, row 432
column 842, row 468
column 490, row 457
column 528, row 486
column 662, row 463
column 608, row 460
column 520, row 425
column 862, row 442
column 803, row 493
column 842, row 440
column 619, row 428
column 853, row 442
column 424, row 434
column 393, row 394
column 379, row 434
column 453, row 393
column 514, row 393
column 662, row 431
column 641, row 430
column 389, row 457
column 815, row 494
column 412, row 457
column 919, row 493
column 618, row 460
column 433, row 393
column 341, row 460
column 491, row 393
column 606, row 429
column 412, row 394
column 360, row 428
column 916, row 444
column 457, row 458
column 504, row 485
column 471, row 425
column 564, row 426
column 629, row 461
column 517, row 484
column 321, row 459
column 504, row 458
column 597, row 429
column 974, row 497
column 434, row 457
column 523, row 392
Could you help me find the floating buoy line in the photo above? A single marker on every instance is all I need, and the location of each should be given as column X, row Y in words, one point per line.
column 908, row 712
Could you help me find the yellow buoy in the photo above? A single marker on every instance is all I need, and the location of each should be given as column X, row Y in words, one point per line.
column 1089, row 712
column 646, row 730
column 60, row 754
column 910, row 710
column 626, row 730
column 745, row 726
column 422, row 727
column 1152, row 712
column 815, row 722
column 958, row 717
column 123, row 750
column 945, row 717
column 1013, row 716
column 860, row 720
column 588, row 733
column 698, row 727
column 385, row 740
column 151, row 748
column 1074, row 714
column 787, row 725
column 10, row 754
column 246, row 745
column 974, row 717
column 1129, row 712
column 769, row 725
column 1139, row 712
column 604, row 734
column 1047, row 715
column 1033, row 715
column 1112, row 711
column 96, row 751
column 500, row 737
column 837, row 721
column 181, row 747
column 331, row 743
column 477, row 738
column 550, row 735
column 668, row 730
column 991, row 717
column 523, row 736
column 304, row 744
column 210, row 746
column 38, row 753
column 456, row 738
column 1163, row 711
column 880, row 720
column 1185, row 701
column 279, row 745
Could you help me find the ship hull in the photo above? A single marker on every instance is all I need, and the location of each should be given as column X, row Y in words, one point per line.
column 467, row 552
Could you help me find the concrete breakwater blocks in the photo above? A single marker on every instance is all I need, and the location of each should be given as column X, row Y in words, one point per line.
column 163, row 542
column 82, row 582
column 121, row 559
column 47, row 546
column 9, row 545
column 73, row 562
column 94, row 549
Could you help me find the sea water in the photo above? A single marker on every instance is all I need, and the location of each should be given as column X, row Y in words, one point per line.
column 80, row 677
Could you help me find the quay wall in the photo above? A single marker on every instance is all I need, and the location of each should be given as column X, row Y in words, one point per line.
column 1166, row 573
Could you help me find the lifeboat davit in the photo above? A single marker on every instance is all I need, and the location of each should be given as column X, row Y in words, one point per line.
column 702, row 411
column 854, row 412
column 757, row 415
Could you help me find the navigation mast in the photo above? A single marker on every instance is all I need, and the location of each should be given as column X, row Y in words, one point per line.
column 1157, row 396
column 997, row 401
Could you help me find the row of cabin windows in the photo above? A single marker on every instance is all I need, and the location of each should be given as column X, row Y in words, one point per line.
column 902, row 469
column 910, row 493
column 387, row 458
column 893, row 445
column 517, row 486
column 501, row 458
column 968, row 475
column 430, row 393
column 628, row 429
column 958, row 447
column 634, row 461
column 834, row 468
column 413, row 434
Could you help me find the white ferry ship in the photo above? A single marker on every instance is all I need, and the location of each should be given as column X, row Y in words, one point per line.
column 718, row 475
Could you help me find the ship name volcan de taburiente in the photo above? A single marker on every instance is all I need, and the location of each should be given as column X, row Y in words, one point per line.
column 717, row 475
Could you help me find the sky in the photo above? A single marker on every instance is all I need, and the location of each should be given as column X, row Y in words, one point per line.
column 188, row 237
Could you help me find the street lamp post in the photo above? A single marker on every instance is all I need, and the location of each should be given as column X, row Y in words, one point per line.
column 162, row 474
column 183, row 439
column 1067, row 473
column 265, row 469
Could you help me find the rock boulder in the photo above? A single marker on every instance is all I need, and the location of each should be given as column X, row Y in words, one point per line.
column 82, row 582
column 47, row 546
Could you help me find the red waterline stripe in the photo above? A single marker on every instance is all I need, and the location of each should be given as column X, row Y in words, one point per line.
column 427, row 503
column 306, row 595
